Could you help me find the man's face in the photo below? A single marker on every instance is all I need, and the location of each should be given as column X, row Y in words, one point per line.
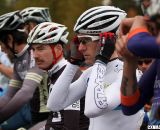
column 13, row 45
column 43, row 55
column 88, row 47
column 146, row 3
column 144, row 64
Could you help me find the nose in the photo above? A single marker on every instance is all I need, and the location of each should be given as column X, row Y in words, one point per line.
column 82, row 47
column 144, row 67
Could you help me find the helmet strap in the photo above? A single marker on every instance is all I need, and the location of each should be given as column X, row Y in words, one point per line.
column 55, row 57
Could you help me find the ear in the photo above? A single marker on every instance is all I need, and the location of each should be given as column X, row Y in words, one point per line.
column 59, row 47
column 31, row 25
column 10, row 39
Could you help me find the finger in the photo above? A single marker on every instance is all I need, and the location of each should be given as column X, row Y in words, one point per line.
column 122, row 28
column 120, row 33
column 120, row 42
column 119, row 48
column 124, row 40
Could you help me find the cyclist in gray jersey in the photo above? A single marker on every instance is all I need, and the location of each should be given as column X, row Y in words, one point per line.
column 23, row 116
column 31, row 16
column 27, row 76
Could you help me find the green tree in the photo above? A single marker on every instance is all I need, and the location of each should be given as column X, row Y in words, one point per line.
column 3, row 7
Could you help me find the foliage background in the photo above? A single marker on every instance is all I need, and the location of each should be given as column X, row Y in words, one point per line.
column 67, row 11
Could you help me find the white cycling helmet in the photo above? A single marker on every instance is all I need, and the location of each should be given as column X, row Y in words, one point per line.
column 48, row 33
column 37, row 14
column 10, row 21
column 99, row 19
column 152, row 8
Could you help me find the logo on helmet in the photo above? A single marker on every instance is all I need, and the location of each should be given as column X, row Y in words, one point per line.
column 93, row 32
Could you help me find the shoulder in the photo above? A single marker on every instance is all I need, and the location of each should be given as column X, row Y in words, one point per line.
column 117, row 66
column 87, row 72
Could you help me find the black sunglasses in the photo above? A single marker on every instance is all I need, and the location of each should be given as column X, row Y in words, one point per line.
column 140, row 62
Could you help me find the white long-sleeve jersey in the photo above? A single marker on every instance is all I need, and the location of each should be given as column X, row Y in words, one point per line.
column 101, row 86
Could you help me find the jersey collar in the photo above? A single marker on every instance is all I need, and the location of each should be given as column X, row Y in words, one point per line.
column 57, row 66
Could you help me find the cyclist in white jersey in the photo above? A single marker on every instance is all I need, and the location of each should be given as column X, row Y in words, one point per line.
column 96, row 29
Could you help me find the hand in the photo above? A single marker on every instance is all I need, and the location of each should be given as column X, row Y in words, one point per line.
column 125, row 26
column 76, row 57
column 107, row 46
column 130, row 24
column 121, row 47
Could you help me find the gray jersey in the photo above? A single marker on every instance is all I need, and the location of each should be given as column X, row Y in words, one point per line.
column 22, row 66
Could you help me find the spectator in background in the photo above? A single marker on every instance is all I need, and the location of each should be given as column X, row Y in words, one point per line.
column 143, row 65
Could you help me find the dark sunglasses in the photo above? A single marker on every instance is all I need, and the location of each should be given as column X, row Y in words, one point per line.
column 140, row 62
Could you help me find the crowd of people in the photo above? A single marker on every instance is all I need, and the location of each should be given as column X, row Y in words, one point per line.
column 109, row 81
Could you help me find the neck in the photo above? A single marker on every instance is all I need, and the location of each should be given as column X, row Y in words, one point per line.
column 21, row 49
column 59, row 58
column 52, row 65
column 57, row 66
column 114, row 55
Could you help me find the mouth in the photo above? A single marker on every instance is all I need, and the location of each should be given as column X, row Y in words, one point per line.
column 86, row 55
